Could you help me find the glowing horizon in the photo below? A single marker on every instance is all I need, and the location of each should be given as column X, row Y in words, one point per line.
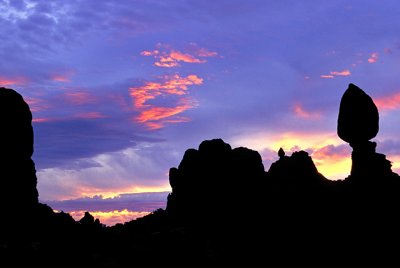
column 118, row 98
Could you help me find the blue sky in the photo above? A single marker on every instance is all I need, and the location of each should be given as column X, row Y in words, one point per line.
column 120, row 89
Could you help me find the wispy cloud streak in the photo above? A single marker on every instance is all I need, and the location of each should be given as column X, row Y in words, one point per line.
column 155, row 117
column 169, row 58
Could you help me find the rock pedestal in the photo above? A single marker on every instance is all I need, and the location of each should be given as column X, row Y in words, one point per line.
column 358, row 122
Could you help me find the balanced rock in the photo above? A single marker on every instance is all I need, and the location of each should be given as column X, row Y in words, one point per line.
column 358, row 119
column 18, row 175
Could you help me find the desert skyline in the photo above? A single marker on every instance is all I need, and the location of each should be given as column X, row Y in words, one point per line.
column 120, row 89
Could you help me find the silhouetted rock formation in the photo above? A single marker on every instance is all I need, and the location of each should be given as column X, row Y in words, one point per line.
column 281, row 153
column 210, row 176
column 87, row 219
column 358, row 122
column 358, row 119
column 298, row 170
column 224, row 209
column 18, row 175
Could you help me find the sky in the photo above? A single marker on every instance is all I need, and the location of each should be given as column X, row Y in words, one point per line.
column 120, row 89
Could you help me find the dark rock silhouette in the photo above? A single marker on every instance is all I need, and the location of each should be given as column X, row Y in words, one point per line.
column 281, row 153
column 87, row 219
column 18, row 174
column 298, row 169
column 210, row 176
column 358, row 122
column 224, row 208
column 358, row 119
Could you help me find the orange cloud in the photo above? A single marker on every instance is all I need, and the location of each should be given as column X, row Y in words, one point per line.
column 155, row 117
column 373, row 58
column 178, row 56
column 391, row 102
column 300, row 112
column 171, row 58
column 158, row 113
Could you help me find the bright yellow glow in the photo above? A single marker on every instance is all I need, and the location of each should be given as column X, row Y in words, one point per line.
column 110, row 218
column 334, row 169
column 90, row 192
column 331, row 166
column 395, row 159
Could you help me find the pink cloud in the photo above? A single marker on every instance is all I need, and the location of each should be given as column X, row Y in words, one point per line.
column 36, row 104
column 332, row 152
column 327, row 76
column 373, row 58
column 62, row 77
column 388, row 51
column 391, row 102
column 168, row 58
column 79, row 97
column 203, row 52
column 178, row 56
column 300, row 112
column 91, row 115
column 7, row 81
column 341, row 73
column 156, row 117
column 42, row 120
column 333, row 74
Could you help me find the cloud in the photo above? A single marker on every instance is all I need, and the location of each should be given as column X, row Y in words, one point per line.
column 300, row 112
column 4, row 81
column 332, row 152
column 154, row 116
column 146, row 201
column 62, row 77
column 333, row 74
column 112, row 210
column 167, row 57
column 79, row 97
column 327, row 76
column 91, row 115
column 179, row 56
column 391, row 102
column 373, row 58
column 158, row 113
column 341, row 73
column 140, row 168
column 36, row 104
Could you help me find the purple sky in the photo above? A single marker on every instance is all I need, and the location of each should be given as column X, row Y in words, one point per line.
column 120, row 89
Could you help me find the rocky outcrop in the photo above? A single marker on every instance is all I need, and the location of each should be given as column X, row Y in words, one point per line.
column 358, row 122
column 297, row 170
column 18, row 175
column 213, row 175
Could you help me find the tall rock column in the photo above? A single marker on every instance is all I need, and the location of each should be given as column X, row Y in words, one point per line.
column 18, row 175
column 358, row 123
